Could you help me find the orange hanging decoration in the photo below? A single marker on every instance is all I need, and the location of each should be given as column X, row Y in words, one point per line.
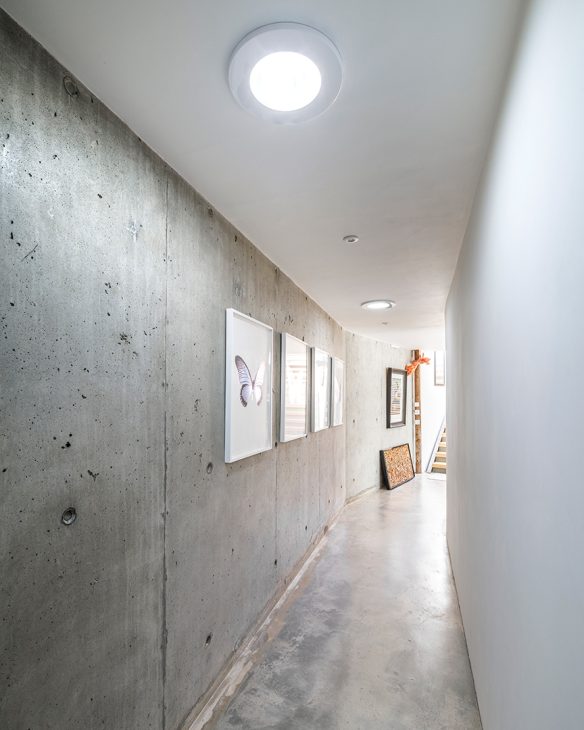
column 412, row 367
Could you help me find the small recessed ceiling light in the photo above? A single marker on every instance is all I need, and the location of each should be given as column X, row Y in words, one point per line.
column 352, row 238
column 285, row 72
column 378, row 304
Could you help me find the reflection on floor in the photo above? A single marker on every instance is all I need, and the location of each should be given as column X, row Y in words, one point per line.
column 372, row 639
column 436, row 477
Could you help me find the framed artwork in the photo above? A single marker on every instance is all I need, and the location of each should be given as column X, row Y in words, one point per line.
column 397, row 384
column 338, row 392
column 396, row 466
column 321, row 390
column 293, row 388
column 439, row 368
column 248, row 386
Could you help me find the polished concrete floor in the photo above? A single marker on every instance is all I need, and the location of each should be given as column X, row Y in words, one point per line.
column 372, row 638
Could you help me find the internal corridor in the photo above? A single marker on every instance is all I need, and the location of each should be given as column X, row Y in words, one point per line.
column 247, row 248
column 372, row 637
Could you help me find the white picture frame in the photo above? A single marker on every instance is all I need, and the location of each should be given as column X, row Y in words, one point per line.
column 293, row 388
column 439, row 367
column 249, row 358
column 338, row 392
column 320, row 416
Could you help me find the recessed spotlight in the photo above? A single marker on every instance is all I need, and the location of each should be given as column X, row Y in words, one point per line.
column 351, row 238
column 377, row 304
column 285, row 72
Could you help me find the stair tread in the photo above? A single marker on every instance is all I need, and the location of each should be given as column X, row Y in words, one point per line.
column 439, row 463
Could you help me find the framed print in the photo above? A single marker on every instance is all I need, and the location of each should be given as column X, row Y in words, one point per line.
column 396, row 466
column 338, row 392
column 396, row 397
column 293, row 388
column 321, row 390
column 248, row 386
column 439, row 368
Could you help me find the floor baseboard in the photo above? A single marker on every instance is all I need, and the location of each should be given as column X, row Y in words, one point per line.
column 235, row 670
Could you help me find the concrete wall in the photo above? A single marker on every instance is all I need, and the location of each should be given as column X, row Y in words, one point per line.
column 367, row 435
column 515, row 346
column 114, row 281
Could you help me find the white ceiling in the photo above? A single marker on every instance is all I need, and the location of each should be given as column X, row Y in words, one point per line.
column 396, row 159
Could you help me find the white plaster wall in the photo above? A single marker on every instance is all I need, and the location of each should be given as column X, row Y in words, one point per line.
column 433, row 408
column 515, row 347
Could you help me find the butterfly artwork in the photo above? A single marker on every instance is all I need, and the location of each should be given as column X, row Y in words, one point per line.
column 251, row 388
column 249, row 351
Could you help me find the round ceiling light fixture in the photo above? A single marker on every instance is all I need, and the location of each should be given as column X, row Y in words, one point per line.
column 285, row 81
column 285, row 73
column 378, row 304
column 351, row 238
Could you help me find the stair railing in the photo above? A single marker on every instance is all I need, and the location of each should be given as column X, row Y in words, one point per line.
column 436, row 446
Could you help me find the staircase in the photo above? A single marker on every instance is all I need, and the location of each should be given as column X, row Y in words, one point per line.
column 439, row 464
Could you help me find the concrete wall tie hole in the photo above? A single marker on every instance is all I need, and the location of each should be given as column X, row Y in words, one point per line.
column 70, row 86
column 69, row 516
column 209, row 468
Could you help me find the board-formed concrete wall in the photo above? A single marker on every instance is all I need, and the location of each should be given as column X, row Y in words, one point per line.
column 367, row 434
column 115, row 277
